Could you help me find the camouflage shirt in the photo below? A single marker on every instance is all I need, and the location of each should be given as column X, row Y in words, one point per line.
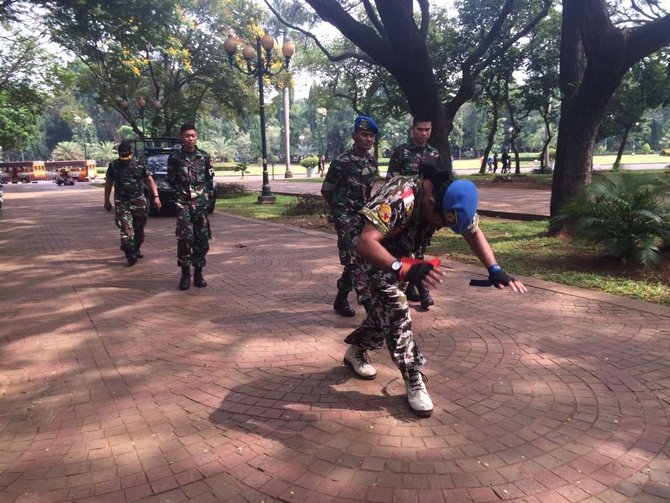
column 395, row 211
column 191, row 175
column 129, row 178
column 407, row 158
column 350, row 178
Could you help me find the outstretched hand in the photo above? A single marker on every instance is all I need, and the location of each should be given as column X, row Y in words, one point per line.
column 501, row 279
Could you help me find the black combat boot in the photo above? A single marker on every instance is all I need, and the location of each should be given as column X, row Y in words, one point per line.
column 138, row 253
column 426, row 299
column 131, row 257
column 341, row 304
column 198, row 280
column 412, row 293
column 185, row 281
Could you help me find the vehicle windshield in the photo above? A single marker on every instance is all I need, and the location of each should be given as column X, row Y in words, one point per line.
column 157, row 163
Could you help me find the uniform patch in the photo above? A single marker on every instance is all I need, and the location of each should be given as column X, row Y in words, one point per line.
column 407, row 197
column 451, row 217
column 384, row 213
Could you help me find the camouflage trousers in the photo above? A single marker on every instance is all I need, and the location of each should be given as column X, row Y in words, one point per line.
column 130, row 219
column 353, row 277
column 193, row 235
column 389, row 321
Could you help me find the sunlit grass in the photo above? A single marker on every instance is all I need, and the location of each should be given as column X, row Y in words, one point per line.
column 525, row 248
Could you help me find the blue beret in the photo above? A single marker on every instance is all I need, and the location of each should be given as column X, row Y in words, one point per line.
column 459, row 205
column 366, row 124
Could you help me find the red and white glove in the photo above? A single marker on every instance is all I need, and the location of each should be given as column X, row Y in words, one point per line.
column 414, row 270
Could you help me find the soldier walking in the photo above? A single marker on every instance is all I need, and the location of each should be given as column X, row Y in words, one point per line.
column 191, row 175
column 346, row 189
column 130, row 179
column 405, row 160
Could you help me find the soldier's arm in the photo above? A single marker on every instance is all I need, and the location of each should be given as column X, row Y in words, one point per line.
column 209, row 175
column 153, row 190
column 108, row 192
column 482, row 249
column 108, row 188
column 330, row 182
column 370, row 249
column 394, row 165
column 171, row 172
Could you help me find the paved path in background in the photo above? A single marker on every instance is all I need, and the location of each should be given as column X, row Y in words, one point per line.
column 505, row 200
column 115, row 386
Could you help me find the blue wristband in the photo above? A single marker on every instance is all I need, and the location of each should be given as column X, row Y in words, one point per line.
column 494, row 268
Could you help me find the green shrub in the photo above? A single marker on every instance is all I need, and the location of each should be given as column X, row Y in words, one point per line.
column 307, row 205
column 242, row 167
column 231, row 190
column 311, row 161
column 625, row 214
column 646, row 149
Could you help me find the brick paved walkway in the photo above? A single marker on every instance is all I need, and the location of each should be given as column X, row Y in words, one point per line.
column 115, row 386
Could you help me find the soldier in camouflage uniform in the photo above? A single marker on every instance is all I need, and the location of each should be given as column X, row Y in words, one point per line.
column 129, row 179
column 405, row 160
column 191, row 175
column 346, row 188
column 402, row 214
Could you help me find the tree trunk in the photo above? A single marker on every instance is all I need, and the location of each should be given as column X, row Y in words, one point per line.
column 594, row 58
column 578, row 127
column 622, row 146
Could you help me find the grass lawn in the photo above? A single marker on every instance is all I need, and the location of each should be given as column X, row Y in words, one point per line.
column 523, row 248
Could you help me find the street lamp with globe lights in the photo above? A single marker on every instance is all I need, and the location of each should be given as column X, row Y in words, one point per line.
column 84, row 123
column 260, row 67
column 141, row 105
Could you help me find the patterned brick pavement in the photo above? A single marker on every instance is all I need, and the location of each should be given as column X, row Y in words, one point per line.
column 115, row 386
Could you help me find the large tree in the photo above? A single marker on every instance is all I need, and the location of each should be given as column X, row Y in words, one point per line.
column 168, row 52
column 595, row 56
column 391, row 35
column 645, row 87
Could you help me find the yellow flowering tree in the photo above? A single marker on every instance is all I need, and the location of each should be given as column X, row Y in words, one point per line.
column 158, row 63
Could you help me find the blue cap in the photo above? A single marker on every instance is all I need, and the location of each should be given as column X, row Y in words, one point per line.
column 459, row 205
column 366, row 124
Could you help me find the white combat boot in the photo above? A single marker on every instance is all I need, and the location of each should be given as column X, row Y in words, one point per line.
column 417, row 394
column 359, row 361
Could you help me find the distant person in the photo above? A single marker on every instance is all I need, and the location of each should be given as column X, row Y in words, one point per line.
column 406, row 160
column 505, row 162
column 130, row 179
column 346, row 189
column 191, row 175
column 495, row 162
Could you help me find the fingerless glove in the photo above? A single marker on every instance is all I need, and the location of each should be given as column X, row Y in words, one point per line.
column 415, row 270
column 499, row 277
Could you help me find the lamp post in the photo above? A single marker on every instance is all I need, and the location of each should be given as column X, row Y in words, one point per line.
column 141, row 105
column 259, row 66
column 84, row 124
column 323, row 112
